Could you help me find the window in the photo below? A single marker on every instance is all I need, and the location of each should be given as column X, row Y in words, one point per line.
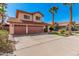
column 26, row 17
column 37, row 18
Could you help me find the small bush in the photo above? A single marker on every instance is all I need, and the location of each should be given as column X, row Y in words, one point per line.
column 55, row 28
column 51, row 28
column 5, row 44
column 61, row 31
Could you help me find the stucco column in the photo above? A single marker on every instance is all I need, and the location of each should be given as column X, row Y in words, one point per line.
column 26, row 29
column 11, row 29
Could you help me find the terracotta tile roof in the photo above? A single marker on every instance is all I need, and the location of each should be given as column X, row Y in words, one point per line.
column 11, row 19
column 32, row 22
column 15, row 20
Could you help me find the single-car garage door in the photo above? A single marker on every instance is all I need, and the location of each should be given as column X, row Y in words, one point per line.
column 19, row 29
column 35, row 29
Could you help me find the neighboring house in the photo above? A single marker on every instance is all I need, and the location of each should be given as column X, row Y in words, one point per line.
column 63, row 24
column 26, row 23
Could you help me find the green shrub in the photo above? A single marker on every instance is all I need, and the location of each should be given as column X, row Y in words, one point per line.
column 55, row 27
column 5, row 44
column 54, row 33
column 51, row 28
column 3, row 34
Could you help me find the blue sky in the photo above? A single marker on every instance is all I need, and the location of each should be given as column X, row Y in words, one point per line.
column 62, row 14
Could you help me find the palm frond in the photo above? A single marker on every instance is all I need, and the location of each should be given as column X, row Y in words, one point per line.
column 68, row 4
column 53, row 9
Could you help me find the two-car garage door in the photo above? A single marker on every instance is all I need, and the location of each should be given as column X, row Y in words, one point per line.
column 35, row 29
column 19, row 29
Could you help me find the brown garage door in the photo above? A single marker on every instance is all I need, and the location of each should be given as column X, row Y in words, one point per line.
column 35, row 29
column 19, row 29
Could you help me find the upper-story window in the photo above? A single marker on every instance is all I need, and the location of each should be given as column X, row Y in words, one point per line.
column 26, row 17
column 38, row 18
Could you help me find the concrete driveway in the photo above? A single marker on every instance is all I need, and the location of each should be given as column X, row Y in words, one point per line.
column 28, row 41
column 47, row 45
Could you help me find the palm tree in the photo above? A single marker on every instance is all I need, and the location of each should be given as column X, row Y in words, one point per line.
column 2, row 12
column 53, row 10
column 70, row 22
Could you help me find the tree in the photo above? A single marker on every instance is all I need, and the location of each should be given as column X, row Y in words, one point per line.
column 70, row 22
column 3, row 7
column 53, row 10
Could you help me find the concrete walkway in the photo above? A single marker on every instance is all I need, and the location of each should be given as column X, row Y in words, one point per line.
column 50, row 45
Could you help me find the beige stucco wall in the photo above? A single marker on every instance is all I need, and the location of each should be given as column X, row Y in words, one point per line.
column 21, row 16
column 26, row 29
column 34, row 17
column 11, row 28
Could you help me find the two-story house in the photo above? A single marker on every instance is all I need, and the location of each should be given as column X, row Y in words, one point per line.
column 26, row 23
